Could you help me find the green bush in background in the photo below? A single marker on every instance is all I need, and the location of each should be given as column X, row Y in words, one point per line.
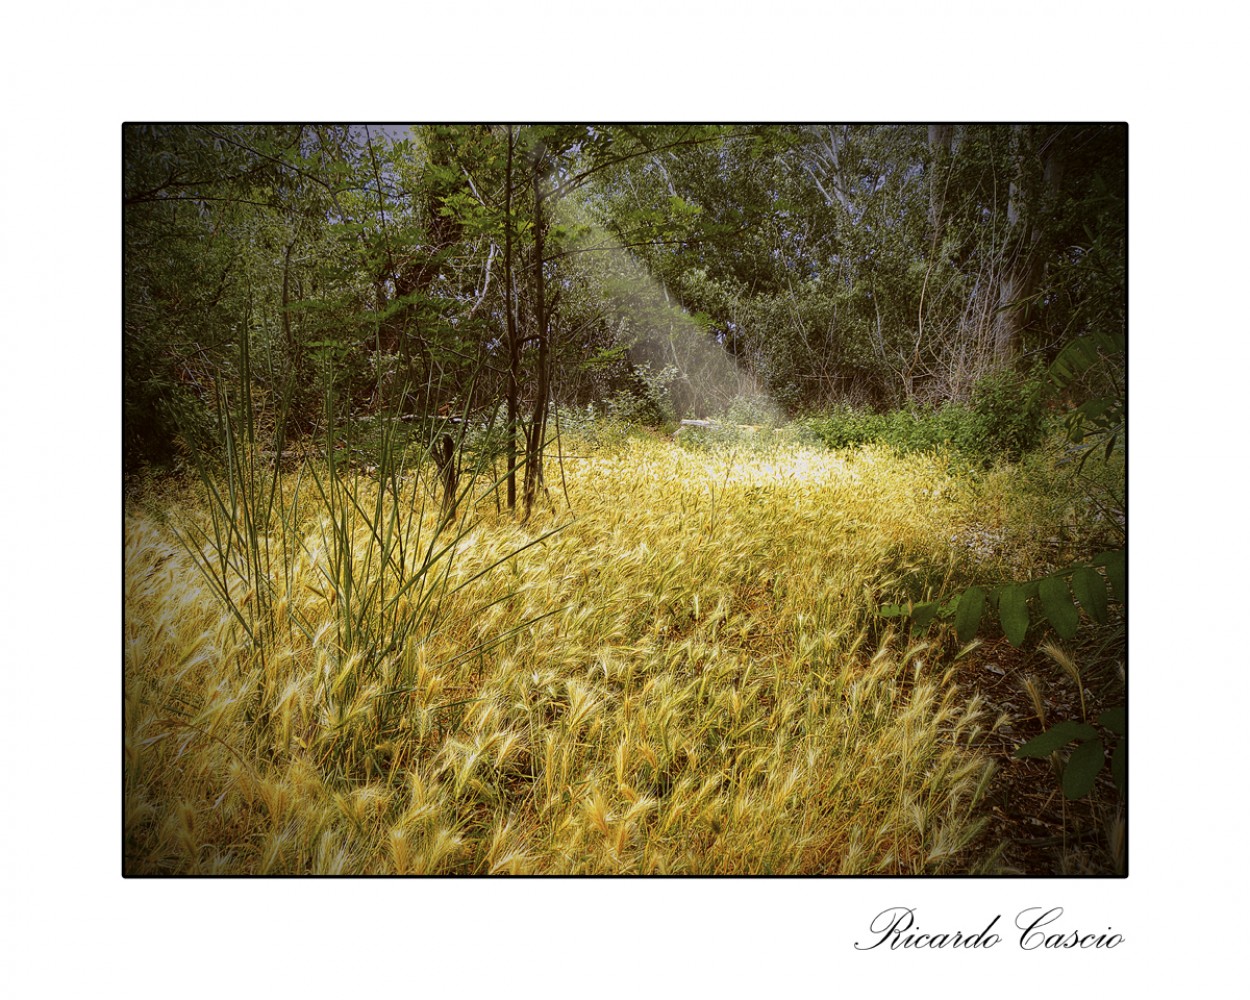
column 1004, row 419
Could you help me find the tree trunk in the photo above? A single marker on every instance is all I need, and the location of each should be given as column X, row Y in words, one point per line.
column 538, row 426
column 291, row 346
column 941, row 138
column 445, row 460
column 1039, row 166
column 514, row 344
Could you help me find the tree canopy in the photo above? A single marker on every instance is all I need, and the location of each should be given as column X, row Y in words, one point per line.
column 504, row 270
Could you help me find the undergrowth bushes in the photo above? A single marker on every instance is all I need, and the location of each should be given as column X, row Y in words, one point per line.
column 1005, row 418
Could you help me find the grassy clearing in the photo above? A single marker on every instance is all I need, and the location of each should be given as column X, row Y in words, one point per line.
column 682, row 675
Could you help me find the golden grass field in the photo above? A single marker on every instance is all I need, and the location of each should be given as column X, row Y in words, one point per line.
column 675, row 671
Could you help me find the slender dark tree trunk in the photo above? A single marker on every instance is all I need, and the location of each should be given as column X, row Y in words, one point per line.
column 514, row 344
column 941, row 139
column 1039, row 165
column 291, row 346
column 445, row 459
column 538, row 425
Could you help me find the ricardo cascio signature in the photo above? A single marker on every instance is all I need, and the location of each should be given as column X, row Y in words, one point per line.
column 1037, row 928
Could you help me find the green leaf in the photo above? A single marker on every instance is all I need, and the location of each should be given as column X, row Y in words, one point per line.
column 1081, row 354
column 1113, row 719
column 922, row 614
column 1093, row 409
column 968, row 614
column 1082, row 768
column 1119, row 770
column 1013, row 613
column 1058, row 605
column 1091, row 591
column 1055, row 737
column 892, row 611
column 1113, row 564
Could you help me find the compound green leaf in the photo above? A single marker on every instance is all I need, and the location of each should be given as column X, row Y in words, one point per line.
column 1081, row 354
column 1113, row 719
column 1057, row 603
column 1091, row 590
column 1056, row 736
column 1113, row 563
column 1082, row 768
column 922, row 614
column 1094, row 408
column 968, row 614
column 1013, row 613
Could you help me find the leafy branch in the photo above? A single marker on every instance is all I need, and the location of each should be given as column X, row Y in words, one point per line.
column 1101, row 417
column 1016, row 605
column 1087, row 759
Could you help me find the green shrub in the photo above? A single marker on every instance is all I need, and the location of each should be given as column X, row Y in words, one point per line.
column 847, row 428
column 165, row 409
column 1004, row 419
column 1010, row 412
column 648, row 400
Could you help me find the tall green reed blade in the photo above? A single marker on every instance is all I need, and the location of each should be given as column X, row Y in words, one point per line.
column 228, row 557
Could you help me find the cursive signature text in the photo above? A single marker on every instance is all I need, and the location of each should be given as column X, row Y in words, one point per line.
column 897, row 928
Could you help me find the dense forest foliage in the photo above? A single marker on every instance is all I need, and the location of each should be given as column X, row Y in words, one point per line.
column 653, row 272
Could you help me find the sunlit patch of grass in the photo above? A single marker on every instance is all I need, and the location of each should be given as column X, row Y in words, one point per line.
column 686, row 677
